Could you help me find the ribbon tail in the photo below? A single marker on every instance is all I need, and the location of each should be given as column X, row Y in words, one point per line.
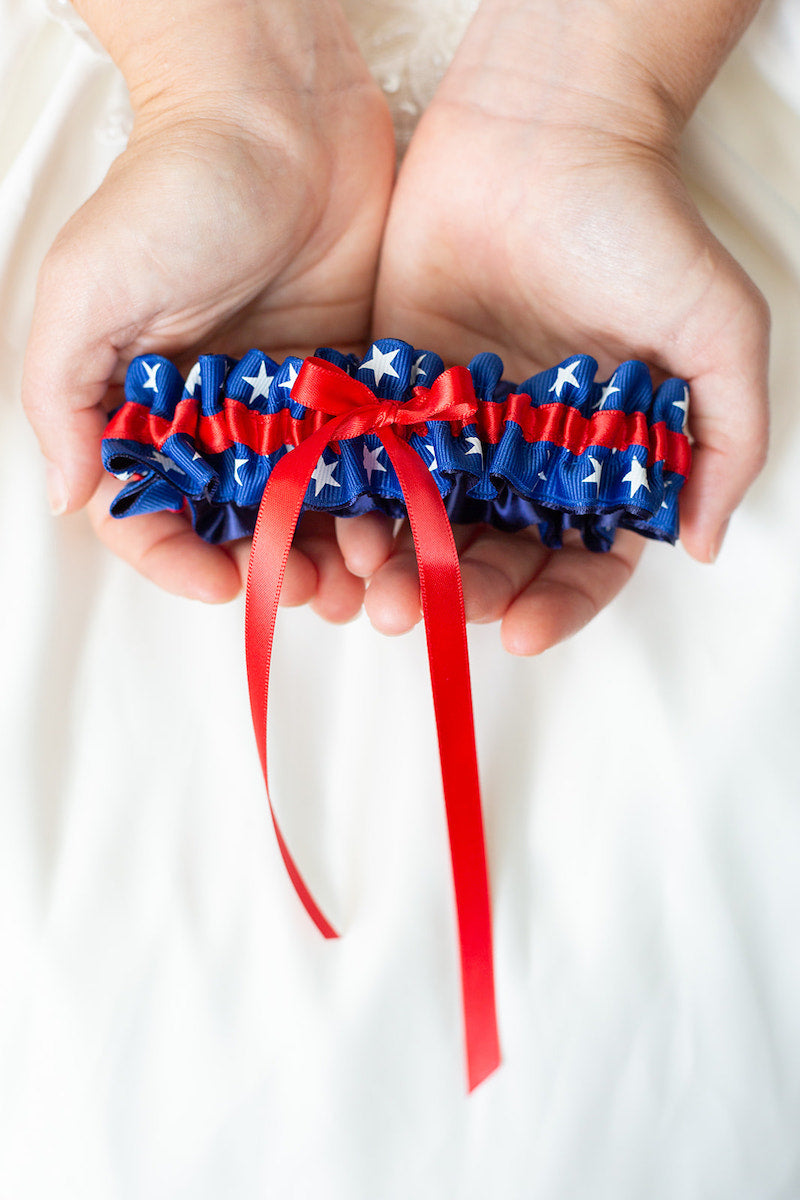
column 443, row 610
column 277, row 519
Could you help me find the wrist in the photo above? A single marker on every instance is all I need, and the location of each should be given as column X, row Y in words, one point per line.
column 633, row 69
column 236, row 61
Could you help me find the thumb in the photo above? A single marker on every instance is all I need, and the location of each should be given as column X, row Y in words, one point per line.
column 69, row 363
column 729, row 424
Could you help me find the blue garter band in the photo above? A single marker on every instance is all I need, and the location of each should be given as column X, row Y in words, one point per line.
column 558, row 451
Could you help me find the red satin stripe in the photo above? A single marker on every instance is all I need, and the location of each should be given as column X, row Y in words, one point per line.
column 564, row 426
column 236, row 423
column 323, row 387
column 265, row 433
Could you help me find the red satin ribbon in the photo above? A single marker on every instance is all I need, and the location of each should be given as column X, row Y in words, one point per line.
column 354, row 411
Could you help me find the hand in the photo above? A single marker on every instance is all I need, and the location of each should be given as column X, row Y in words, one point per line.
column 538, row 236
column 230, row 222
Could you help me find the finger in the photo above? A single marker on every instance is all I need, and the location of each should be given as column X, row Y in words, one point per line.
column 365, row 542
column 392, row 602
column 573, row 585
column 164, row 547
column 299, row 577
column 339, row 594
column 495, row 567
column 68, row 366
column 729, row 423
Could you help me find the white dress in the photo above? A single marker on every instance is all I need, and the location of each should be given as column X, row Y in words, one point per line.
column 172, row 1027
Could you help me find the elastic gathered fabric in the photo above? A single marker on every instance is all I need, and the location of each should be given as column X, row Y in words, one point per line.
column 560, row 450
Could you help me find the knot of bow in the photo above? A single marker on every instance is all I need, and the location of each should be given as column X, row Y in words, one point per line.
column 355, row 410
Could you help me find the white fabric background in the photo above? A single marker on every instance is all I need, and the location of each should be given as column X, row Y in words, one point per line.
column 171, row 1025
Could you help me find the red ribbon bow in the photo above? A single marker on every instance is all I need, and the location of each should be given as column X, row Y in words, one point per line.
column 355, row 410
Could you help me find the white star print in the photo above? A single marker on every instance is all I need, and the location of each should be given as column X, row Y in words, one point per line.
column 151, row 375
column 381, row 363
column 323, row 475
column 542, row 476
column 683, row 404
column 597, row 470
column 195, row 456
column 477, row 448
column 259, row 383
column 607, row 390
column 165, row 462
column 192, row 378
column 565, row 375
column 636, row 477
column 433, row 465
column 238, row 463
column 123, row 475
column 417, row 370
column 664, row 502
column 289, row 383
column 371, row 462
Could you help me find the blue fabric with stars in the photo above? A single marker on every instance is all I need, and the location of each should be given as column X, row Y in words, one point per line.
column 511, row 484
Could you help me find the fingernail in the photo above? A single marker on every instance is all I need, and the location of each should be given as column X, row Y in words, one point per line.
column 718, row 543
column 56, row 490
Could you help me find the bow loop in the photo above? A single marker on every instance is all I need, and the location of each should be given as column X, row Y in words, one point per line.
column 326, row 388
column 451, row 397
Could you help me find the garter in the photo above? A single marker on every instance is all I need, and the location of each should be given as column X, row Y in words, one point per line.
column 560, row 450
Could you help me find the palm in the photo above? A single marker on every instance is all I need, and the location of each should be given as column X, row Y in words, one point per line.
column 205, row 239
column 538, row 247
column 531, row 247
column 239, row 249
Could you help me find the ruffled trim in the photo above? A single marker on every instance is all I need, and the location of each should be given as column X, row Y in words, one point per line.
column 557, row 451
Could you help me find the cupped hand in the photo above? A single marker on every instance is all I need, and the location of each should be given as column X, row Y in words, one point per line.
column 541, row 239
column 221, row 227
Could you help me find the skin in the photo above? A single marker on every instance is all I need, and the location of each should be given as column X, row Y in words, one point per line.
column 591, row 243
